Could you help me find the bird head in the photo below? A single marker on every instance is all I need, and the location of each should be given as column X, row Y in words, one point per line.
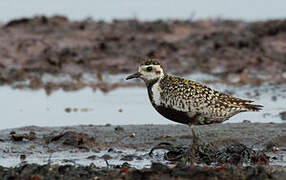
column 149, row 70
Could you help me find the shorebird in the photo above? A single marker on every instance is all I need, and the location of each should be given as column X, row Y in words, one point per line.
column 188, row 102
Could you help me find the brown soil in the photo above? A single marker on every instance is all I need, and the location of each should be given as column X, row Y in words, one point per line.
column 250, row 52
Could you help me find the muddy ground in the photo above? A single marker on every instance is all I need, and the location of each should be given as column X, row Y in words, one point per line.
column 235, row 51
column 243, row 150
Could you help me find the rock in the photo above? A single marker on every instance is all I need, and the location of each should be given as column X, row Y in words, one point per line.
column 71, row 138
column 93, row 157
column 246, row 121
column 95, row 150
column 128, row 158
column 20, row 137
column 118, row 129
column 283, row 115
column 274, row 98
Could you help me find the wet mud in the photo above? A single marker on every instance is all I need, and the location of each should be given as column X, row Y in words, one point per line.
column 244, row 150
column 235, row 51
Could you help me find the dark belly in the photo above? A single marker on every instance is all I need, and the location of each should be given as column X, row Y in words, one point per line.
column 177, row 116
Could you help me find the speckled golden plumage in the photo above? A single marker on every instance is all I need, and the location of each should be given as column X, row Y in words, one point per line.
column 186, row 101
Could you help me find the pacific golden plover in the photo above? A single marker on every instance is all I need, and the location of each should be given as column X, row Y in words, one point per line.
column 185, row 101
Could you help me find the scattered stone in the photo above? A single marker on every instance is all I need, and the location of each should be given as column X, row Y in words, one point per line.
column 119, row 129
column 95, row 150
column 265, row 115
column 125, row 165
column 246, row 121
column 20, row 137
column 274, row 98
column 283, row 115
column 71, row 138
column 68, row 161
column 83, row 148
column 22, row 157
column 271, row 147
column 93, row 157
column 128, row 157
column 68, row 110
column 133, row 135
column 111, row 150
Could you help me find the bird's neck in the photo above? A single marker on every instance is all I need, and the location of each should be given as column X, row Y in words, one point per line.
column 153, row 88
column 150, row 83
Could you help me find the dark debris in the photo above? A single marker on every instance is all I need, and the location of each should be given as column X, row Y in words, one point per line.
column 234, row 154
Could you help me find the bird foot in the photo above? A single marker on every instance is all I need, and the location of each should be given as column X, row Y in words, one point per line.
column 190, row 156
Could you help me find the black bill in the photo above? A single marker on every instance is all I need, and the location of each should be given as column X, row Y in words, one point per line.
column 135, row 75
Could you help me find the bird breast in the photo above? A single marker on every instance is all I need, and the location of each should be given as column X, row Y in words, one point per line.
column 160, row 97
column 156, row 96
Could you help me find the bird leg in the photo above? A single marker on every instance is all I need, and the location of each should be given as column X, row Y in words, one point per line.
column 192, row 150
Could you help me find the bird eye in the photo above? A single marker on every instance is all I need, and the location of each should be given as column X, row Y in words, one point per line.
column 149, row 68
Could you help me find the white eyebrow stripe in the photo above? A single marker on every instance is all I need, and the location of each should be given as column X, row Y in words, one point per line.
column 155, row 66
column 145, row 66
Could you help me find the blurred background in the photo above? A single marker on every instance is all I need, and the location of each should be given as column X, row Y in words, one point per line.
column 64, row 62
column 145, row 10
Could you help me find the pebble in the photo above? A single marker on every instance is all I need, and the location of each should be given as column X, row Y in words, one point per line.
column 283, row 115
column 95, row 150
column 246, row 121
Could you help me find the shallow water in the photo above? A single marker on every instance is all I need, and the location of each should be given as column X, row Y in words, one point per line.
column 145, row 10
column 118, row 107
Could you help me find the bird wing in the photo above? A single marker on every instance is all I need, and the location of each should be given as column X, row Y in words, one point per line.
column 242, row 104
column 182, row 94
column 189, row 96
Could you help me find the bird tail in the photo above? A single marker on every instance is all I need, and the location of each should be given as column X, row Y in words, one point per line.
column 253, row 107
